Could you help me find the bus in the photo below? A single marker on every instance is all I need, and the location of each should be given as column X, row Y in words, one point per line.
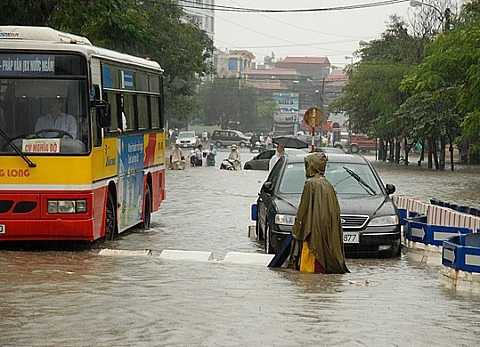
column 82, row 140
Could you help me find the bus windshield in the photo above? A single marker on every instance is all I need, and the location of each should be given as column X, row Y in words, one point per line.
column 44, row 116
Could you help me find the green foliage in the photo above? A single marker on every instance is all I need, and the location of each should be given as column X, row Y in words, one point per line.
column 231, row 99
column 451, row 70
column 372, row 94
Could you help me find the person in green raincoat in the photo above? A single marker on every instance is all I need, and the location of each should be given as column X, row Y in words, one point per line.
column 317, row 245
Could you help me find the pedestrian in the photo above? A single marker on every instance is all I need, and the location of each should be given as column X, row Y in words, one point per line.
column 235, row 157
column 268, row 141
column 211, row 155
column 177, row 159
column 317, row 245
column 279, row 152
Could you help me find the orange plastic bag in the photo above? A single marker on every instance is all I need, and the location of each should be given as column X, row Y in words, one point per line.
column 307, row 260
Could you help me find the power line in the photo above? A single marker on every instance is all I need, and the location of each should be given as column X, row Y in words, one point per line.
column 195, row 5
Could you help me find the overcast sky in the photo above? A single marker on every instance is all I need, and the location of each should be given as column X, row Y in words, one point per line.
column 335, row 34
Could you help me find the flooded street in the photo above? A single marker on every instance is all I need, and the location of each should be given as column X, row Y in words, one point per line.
column 80, row 298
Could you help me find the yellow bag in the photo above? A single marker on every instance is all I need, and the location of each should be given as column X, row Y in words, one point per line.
column 307, row 260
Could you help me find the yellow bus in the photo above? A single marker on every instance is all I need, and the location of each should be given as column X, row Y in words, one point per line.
column 82, row 140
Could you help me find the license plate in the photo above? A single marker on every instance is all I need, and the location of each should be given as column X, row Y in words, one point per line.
column 351, row 237
column 2, row 228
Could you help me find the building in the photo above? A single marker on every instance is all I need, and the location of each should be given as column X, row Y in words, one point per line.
column 201, row 13
column 233, row 63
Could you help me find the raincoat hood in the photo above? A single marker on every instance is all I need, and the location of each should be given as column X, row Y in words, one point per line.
column 315, row 164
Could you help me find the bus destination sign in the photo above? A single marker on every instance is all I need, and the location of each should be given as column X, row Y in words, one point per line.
column 27, row 64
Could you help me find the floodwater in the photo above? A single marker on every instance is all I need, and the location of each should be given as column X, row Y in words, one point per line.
column 79, row 298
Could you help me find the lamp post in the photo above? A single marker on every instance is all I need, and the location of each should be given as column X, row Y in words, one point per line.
column 444, row 16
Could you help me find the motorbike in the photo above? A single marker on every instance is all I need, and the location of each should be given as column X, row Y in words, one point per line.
column 195, row 160
column 258, row 146
column 227, row 164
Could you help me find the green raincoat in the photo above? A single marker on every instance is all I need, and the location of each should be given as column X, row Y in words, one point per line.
column 318, row 219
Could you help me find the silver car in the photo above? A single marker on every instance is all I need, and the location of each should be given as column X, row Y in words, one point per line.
column 187, row 139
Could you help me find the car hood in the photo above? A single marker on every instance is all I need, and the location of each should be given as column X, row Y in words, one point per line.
column 349, row 204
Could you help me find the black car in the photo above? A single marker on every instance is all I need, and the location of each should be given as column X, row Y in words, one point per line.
column 370, row 219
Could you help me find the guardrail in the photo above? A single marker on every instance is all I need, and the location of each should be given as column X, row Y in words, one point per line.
column 445, row 233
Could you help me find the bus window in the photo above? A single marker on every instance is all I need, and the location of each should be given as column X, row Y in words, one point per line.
column 142, row 107
column 111, row 98
column 155, row 111
column 129, row 108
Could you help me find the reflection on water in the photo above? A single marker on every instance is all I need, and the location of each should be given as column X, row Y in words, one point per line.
column 78, row 298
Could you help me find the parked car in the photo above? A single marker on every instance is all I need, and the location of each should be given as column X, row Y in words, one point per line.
column 226, row 138
column 261, row 160
column 360, row 142
column 187, row 139
column 342, row 141
column 370, row 219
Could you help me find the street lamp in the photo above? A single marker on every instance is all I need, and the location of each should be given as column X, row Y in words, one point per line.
column 444, row 17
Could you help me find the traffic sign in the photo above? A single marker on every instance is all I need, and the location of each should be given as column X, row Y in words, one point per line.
column 311, row 114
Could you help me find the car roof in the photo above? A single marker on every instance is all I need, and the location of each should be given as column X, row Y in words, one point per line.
column 332, row 157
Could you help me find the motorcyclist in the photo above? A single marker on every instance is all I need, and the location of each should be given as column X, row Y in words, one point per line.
column 196, row 156
column 234, row 156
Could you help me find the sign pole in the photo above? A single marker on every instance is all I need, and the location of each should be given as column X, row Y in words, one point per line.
column 313, row 131
column 313, row 117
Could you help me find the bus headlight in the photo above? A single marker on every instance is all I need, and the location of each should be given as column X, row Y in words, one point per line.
column 67, row 206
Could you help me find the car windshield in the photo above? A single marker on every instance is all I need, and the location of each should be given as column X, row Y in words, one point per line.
column 186, row 134
column 346, row 178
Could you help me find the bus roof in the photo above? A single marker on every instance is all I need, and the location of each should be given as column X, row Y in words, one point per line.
column 45, row 38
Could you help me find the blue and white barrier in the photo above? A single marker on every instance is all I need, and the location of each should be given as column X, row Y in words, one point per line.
column 443, row 234
column 461, row 260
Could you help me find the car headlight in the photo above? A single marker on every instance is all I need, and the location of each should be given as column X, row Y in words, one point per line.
column 384, row 220
column 285, row 219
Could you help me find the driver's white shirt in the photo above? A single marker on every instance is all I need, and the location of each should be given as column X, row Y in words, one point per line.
column 63, row 122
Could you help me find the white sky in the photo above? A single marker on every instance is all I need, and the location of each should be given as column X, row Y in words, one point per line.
column 334, row 34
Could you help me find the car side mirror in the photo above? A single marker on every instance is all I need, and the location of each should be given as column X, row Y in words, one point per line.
column 267, row 187
column 390, row 188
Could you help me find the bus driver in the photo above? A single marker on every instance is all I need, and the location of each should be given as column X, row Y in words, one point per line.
column 56, row 119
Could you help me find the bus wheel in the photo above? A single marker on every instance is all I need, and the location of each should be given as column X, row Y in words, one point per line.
column 110, row 221
column 147, row 214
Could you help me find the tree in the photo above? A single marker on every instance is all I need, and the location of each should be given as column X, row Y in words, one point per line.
column 231, row 100
column 372, row 94
column 451, row 69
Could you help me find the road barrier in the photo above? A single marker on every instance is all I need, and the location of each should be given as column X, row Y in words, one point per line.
column 445, row 234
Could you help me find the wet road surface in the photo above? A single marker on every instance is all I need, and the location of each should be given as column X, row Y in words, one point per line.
column 79, row 298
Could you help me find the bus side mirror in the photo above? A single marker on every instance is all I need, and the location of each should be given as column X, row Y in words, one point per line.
column 104, row 116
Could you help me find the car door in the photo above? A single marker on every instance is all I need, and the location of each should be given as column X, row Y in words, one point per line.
column 263, row 159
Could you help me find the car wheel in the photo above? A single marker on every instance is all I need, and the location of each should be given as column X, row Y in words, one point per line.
column 338, row 146
column 268, row 243
column 354, row 148
column 218, row 144
column 242, row 144
column 247, row 167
